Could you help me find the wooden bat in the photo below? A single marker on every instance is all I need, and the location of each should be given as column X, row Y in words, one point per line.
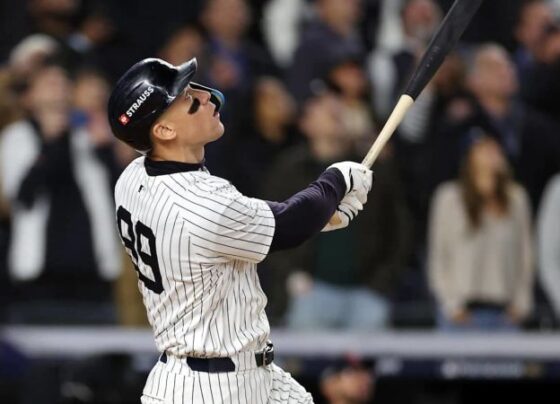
column 444, row 40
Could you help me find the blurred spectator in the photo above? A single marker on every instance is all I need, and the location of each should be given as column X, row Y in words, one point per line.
column 63, row 246
column 480, row 251
column 343, row 279
column 348, row 79
column 541, row 87
column 348, row 382
column 331, row 34
column 549, row 242
column 9, row 113
column 269, row 131
column 280, row 25
column 183, row 44
column 231, row 63
column 28, row 56
column 91, row 94
column 530, row 140
column 94, row 29
column 391, row 69
column 534, row 17
column 447, row 105
column 56, row 18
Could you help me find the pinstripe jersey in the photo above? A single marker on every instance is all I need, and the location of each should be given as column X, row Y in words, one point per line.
column 195, row 242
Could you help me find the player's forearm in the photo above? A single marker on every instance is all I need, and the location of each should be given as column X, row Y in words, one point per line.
column 307, row 212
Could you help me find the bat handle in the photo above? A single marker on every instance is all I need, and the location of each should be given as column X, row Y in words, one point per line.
column 397, row 116
column 402, row 107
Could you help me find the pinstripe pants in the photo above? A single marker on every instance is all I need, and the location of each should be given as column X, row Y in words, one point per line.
column 175, row 383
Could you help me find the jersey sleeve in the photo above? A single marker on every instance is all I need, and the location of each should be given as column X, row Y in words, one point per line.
column 233, row 226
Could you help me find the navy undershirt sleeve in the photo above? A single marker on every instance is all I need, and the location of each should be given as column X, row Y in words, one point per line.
column 307, row 212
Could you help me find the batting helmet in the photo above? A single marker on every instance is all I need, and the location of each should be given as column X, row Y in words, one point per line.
column 144, row 92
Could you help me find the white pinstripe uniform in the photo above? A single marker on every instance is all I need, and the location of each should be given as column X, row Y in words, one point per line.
column 195, row 241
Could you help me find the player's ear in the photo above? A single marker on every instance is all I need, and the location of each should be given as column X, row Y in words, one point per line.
column 163, row 131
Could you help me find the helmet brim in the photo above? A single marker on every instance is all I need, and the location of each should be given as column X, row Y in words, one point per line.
column 185, row 73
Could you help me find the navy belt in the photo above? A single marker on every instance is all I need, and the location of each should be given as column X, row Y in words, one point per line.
column 222, row 365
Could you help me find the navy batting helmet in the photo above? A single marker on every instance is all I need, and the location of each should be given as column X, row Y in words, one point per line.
column 144, row 92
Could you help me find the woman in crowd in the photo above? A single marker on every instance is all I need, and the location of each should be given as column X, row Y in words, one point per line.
column 480, row 254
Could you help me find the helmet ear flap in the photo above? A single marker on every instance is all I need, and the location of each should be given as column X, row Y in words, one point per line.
column 216, row 96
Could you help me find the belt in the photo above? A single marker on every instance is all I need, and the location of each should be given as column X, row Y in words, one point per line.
column 222, row 365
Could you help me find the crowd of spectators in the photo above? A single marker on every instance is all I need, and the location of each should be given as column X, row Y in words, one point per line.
column 447, row 237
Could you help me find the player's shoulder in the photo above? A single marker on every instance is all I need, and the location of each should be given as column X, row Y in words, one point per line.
column 223, row 196
column 130, row 170
column 208, row 187
column 217, row 185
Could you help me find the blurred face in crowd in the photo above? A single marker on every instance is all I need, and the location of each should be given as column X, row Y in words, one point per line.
column 486, row 162
column 493, row 73
column 49, row 90
column 549, row 50
column 183, row 45
column 322, row 118
column 54, row 17
column 226, row 19
column 349, row 386
column 340, row 13
column 486, row 156
column 98, row 28
column 450, row 76
column 91, row 93
column 273, row 104
column 420, row 19
column 190, row 120
column 350, row 78
column 533, row 19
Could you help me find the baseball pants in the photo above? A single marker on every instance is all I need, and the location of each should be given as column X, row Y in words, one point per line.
column 174, row 382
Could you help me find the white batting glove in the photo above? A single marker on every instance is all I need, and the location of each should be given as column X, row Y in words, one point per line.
column 358, row 178
column 346, row 211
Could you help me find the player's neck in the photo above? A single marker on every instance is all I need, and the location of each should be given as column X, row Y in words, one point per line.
column 193, row 154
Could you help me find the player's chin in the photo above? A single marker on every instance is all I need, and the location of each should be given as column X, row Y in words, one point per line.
column 218, row 130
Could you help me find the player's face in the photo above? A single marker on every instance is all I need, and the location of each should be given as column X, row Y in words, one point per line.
column 195, row 117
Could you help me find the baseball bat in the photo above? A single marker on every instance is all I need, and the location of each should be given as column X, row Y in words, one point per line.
column 444, row 40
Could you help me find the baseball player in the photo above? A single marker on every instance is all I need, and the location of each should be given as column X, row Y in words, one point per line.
column 195, row 241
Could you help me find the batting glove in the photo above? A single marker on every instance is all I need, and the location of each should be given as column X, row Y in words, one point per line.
column 347, row 210
column 358, row 178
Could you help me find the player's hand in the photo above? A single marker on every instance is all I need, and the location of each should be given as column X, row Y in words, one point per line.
column 347, row 210
column 358, row 178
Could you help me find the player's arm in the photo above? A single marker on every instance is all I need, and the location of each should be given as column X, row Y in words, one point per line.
column 343, row 187
column 246, row 228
